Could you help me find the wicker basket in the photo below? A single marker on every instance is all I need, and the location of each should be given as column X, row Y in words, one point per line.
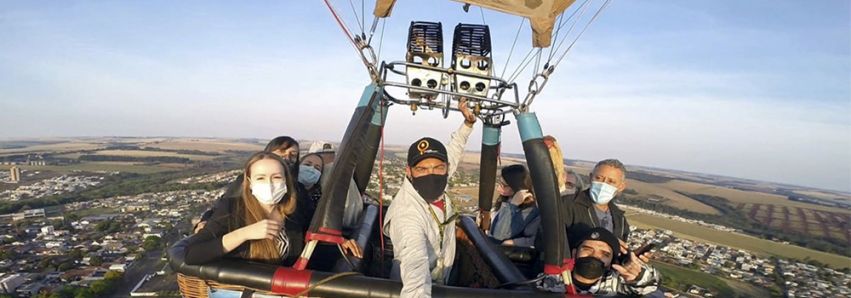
column 473, row 271
column 193, row 287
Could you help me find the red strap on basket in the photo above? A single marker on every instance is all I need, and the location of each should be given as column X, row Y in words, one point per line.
column 289, row 281
column 330, row 238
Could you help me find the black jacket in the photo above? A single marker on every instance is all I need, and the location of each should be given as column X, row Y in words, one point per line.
column 305, row 206
column 580, row 217
column 206, row 245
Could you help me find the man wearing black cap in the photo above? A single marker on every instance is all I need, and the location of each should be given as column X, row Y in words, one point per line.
column 596, row 269
column 420, row 221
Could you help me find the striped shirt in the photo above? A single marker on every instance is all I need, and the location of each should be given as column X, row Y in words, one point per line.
column 283, row 242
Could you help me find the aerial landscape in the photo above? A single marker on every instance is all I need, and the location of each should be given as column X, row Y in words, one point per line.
column 134, row 140
column 62, row 187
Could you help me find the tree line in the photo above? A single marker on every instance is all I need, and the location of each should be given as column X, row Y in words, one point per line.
column 178, row 151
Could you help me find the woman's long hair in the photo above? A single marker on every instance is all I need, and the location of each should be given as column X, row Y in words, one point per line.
column 250, row 210
column 558, row 160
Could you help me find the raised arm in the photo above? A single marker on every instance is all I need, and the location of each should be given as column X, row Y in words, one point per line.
column 459, row 137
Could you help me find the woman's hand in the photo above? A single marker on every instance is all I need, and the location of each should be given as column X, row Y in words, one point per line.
column 521, row 197
column 264, row 229
column 484, row 220
column 199, row 226
column 351, row 247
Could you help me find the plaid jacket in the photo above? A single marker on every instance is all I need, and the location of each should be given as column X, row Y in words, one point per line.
column 612, row 284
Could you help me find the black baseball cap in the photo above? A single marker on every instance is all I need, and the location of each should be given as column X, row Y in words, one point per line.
column 426, row 148
column 601, row 234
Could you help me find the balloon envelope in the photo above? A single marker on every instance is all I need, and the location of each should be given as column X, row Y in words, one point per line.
column 541, row 13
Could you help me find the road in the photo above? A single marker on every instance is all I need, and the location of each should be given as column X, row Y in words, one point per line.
column 148, row 265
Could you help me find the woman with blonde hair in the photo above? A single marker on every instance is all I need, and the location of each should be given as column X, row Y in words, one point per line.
column 257, row 225
column 568, row 182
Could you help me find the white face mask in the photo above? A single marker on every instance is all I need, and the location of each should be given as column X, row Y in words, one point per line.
column 308, row 176
column 268, row 193
column 602, row 193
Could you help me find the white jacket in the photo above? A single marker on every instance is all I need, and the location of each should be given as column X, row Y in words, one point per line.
column 416, row 236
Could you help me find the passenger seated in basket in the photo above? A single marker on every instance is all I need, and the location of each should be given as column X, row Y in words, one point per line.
column 257, row 225
column 598, row 269
column 284, row 146
column 517, row 218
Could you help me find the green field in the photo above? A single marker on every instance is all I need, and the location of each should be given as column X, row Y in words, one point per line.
column 749, row 290
column 756, row 245
column 680, row 278
column 91, row 211
column 101, row 166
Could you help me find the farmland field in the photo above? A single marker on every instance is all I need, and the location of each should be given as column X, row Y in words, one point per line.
column 658, row 190
column 208, row 145
column 144, row 153
column 681, row 278
column 103, row 166
column 674, row 199
column 823, row 195
column 756, row 245
column 806, row 221
column 64, row 146
column 736, row 196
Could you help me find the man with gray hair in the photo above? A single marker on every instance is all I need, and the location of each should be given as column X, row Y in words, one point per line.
column 593, row 207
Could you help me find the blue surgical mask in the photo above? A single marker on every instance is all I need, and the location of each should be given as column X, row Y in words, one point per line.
column 602, row 193
column 308, row 176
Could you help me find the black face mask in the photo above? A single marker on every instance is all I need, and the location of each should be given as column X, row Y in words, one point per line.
column 430, row 187
column 582, row 286
column 588, row 267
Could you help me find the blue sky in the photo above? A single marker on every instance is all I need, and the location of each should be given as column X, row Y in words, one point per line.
column 753, row 89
